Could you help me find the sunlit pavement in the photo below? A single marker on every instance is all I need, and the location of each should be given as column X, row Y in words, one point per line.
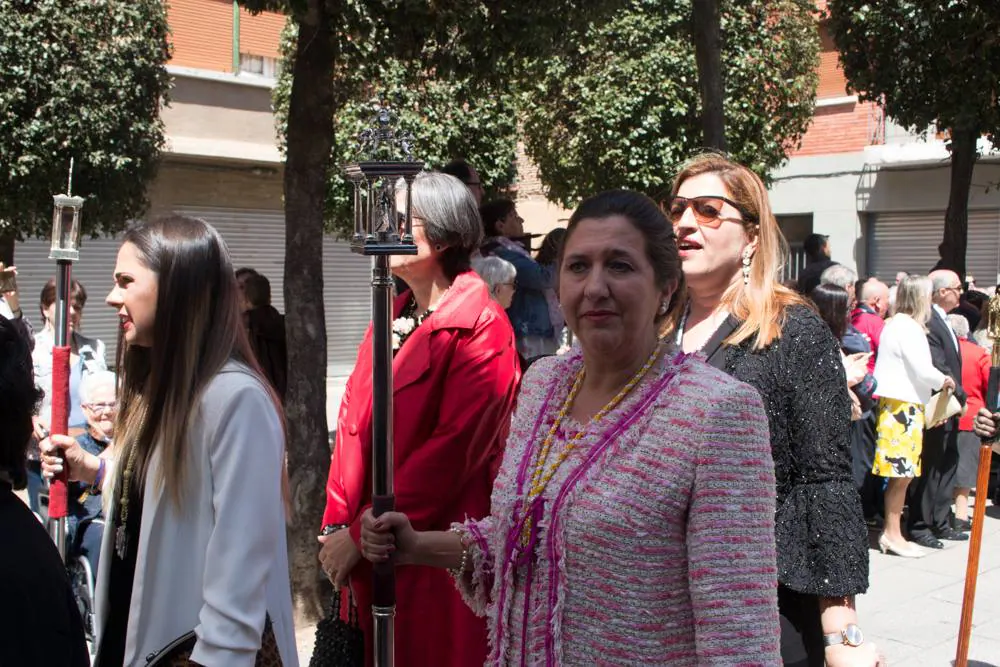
column 913, row 607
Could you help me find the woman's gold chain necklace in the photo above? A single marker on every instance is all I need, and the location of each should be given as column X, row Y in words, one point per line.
column 121, row 533
column 541, row 477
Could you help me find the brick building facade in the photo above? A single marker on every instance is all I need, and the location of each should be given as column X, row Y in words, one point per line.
column 879, row 191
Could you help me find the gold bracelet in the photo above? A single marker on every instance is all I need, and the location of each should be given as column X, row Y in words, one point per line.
column 460, row 570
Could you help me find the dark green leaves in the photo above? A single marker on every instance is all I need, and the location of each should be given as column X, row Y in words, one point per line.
column 82, row 80
column 930, row 62
column 622, row 109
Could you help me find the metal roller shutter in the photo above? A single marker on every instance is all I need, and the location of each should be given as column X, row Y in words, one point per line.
column 94, row 271
column 909, row 242
column 256, row 238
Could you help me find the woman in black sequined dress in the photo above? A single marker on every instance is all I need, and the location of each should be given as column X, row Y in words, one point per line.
column 746, row 323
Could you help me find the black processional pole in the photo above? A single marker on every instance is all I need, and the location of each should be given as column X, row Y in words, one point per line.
column 382, row 176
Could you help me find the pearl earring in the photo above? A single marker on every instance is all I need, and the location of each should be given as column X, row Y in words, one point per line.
column 663, row 308
column 746, row 266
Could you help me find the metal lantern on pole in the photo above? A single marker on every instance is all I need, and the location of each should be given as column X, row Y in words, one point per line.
column 385, row 168
column 65, row 250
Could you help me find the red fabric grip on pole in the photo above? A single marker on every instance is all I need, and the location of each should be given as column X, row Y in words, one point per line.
column 58, row 491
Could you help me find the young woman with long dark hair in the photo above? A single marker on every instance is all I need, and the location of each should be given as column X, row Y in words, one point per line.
column 195, row 535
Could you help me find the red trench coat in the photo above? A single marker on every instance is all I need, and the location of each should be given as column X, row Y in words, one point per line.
column 455, row 381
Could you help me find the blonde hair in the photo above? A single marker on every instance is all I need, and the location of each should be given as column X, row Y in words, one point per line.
column 913, row 298
column 762, row 304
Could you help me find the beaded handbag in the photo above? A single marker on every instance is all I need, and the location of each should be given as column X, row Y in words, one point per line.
column 339, row 643
column 178, row 652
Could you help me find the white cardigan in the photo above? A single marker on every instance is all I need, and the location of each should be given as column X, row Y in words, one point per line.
column 903, row 368
column 218, row 564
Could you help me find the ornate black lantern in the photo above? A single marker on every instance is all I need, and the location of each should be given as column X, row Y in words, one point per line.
column 385, row 168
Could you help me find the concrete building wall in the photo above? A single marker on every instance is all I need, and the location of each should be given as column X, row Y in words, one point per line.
column 221, row 118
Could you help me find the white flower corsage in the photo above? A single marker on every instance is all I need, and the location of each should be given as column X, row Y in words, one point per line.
column 401, row 328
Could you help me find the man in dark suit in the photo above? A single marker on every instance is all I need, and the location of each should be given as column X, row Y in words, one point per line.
column 40, row 623
column 931, row 495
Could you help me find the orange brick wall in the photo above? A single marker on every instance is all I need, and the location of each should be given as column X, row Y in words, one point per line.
column 260, row 35
column 843, row 128
column 837, row 129
column 202, row 33
column 831, row 77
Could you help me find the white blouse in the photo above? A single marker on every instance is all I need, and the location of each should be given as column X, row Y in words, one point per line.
column 904, row 369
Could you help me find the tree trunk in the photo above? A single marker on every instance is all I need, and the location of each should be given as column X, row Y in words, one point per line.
column 706, row 32
column 309, row 140
column 956, row 218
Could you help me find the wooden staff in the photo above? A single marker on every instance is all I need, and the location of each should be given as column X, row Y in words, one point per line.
column 982, row 483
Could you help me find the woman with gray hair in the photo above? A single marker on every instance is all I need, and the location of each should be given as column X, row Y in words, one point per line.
column 455, row 376
column 500, row 277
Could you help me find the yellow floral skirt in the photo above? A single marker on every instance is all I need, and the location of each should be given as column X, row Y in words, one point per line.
column 900, row 433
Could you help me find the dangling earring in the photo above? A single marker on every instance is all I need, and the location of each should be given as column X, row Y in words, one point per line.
column 663, row 308
column 746, row 265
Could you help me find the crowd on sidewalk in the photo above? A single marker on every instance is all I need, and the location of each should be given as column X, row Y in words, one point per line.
column 636, row 446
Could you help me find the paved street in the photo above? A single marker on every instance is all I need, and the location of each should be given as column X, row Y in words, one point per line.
column 913, row 607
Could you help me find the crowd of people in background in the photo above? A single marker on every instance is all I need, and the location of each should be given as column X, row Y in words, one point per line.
column 924, row 335
column 645, row 362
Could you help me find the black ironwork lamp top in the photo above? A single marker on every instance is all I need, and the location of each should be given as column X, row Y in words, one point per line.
column 383, row 141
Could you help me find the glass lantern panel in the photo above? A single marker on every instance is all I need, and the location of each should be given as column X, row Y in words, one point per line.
column 70, row 229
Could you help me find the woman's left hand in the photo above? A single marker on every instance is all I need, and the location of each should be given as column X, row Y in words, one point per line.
column 338, row 556
column 855, row 406
column 866, row 655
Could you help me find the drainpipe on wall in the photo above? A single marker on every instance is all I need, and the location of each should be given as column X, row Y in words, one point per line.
column 236, row 37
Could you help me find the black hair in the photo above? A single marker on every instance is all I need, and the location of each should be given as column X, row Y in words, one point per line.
column 492, row 212
column 257, row 290
column 460, row 169
column 19, row 399
column 814, row 245
column 832, row 302
column 245, row 271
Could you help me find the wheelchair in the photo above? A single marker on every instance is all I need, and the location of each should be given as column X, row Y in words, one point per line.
column 82, row 578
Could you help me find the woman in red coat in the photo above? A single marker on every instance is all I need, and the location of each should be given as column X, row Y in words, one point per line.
column 455, row 376
column 975, row 378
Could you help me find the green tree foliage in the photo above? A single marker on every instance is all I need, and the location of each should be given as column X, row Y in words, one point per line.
column 81, row 79
column 454, row 115
column 422, row 51
column 622, row 108
column 929, row 62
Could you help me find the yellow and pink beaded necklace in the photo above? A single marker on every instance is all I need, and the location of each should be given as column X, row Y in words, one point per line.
column 542, row 475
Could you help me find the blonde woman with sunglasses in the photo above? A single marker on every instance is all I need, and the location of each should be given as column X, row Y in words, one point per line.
column 746, row 323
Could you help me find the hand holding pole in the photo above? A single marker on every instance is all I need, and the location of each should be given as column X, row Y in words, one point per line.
column 65, row 250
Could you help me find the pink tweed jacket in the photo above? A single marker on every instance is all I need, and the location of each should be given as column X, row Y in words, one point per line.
column 656, row 540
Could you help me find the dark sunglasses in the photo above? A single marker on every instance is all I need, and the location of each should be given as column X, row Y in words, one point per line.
column 707, row 210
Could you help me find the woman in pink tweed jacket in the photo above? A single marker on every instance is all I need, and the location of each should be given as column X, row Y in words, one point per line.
column 632, row 521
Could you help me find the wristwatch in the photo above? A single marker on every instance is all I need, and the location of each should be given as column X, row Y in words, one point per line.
column 851, row 635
